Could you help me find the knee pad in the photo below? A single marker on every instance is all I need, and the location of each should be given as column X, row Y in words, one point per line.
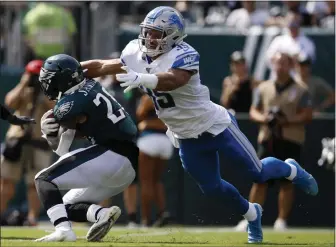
column 48, row 193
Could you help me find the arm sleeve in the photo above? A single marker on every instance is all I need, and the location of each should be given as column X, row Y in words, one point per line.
column 187, row 61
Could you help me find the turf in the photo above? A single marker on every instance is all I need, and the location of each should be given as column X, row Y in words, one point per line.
column 174, row 237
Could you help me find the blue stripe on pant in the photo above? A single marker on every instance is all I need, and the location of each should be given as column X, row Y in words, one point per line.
column 200, row 159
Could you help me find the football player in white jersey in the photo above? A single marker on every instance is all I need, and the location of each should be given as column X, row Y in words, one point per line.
column 167, row 69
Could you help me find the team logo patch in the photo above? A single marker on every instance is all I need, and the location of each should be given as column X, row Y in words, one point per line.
column 45, row 77
column 63, row 109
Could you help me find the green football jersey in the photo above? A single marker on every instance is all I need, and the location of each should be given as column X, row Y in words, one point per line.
column 106, row 119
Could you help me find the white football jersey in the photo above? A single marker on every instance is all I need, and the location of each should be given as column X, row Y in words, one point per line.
column 187, row 111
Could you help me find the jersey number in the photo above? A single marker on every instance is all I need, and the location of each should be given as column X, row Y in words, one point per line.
column 113, row 117
column 164, row 100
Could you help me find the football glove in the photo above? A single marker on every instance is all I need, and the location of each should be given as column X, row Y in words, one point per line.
column 48, row 124
column 133, row 79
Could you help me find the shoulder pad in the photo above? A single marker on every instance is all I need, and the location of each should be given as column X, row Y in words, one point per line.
column 185, row 57
column 130, row 49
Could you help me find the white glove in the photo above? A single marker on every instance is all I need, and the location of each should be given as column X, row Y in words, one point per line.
column 133, row 79
column 48, row 124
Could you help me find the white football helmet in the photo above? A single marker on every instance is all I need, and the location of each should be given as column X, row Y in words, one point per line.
column 169, row 22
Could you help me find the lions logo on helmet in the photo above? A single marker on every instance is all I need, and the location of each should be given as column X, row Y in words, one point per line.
column 169, row 22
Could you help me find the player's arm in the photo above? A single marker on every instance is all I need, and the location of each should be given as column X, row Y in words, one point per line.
column 172, row 79
column 182, row 69
column 99, row 67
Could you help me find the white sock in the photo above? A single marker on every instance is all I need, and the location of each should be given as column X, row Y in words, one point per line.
column 251, row 213
column 64, row 226
column 293, row 172
column 56, row 212
column 91, row 213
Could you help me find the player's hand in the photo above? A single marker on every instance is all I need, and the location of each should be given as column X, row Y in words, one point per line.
column 130, row 80
column 48, row 124
column 20, row 120
column 133, row 79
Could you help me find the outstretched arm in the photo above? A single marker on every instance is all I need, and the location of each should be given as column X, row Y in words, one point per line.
column 164, row 81
column 99, row 67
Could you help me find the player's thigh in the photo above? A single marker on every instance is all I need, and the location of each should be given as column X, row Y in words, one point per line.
column 41, row 159
column 237, row 148
column 94, row 166
column 201, row 164
column 92, row 194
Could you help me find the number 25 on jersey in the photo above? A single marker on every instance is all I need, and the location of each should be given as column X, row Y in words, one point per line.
column 107, row 98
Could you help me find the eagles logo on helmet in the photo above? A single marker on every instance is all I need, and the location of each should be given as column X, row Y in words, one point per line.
column 60, row 74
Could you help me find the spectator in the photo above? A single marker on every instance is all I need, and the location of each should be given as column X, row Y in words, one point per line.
column 155, row 149
column 237, row 88
column 322, row 94
column 184, row 7
column 247, row 16
column 49, row 30
column 279, row 16
column 317, row 8
column 291, row 43
column 25, row 149
column 282, row 108
column 328, row 21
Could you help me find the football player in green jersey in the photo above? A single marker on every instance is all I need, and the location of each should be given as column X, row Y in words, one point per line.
column 83, row 109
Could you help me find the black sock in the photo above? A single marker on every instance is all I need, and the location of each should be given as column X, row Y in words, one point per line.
column 77, row 212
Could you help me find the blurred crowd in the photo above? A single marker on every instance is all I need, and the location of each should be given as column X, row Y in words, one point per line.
column 240, row 14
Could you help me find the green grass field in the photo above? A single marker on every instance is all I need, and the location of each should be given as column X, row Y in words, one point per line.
column 174, row 236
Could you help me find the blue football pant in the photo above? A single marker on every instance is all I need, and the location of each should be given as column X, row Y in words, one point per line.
column 200, row 159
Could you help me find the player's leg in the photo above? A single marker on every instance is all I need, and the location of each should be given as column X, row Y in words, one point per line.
column 258, row 190
column 233, row 140
column 200, row 159
column 82, row 168
column 82, row 206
